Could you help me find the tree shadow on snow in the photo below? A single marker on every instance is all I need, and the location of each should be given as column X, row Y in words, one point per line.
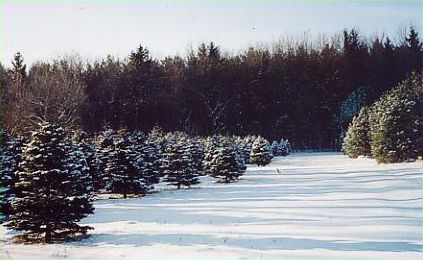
column 270, row 243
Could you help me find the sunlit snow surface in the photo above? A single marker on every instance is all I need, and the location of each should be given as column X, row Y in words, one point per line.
column 320, row 205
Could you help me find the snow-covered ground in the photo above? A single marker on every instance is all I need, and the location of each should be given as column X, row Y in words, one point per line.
column 320, row 205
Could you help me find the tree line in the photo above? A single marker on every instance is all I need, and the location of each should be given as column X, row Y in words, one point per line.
column 48, row 180
column 301, row 90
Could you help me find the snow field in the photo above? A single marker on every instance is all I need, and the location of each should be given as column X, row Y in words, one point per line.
column 320, row 205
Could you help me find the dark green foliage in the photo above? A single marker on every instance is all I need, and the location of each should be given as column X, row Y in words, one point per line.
column 396, row 123
column 54, row 186
column 196, row 150
column 10, row 151
column 149, row 160
column 178, row 163
column 357, row 139
column 87, row 145
column 104, row 151
column 224, row 162
column 125, row 177
column 261, row 153
column 294, row 92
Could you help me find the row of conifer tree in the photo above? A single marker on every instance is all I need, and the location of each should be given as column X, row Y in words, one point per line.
column 391, row 130
column 48, row 178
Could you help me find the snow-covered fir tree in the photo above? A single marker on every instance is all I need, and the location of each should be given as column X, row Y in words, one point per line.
column 195, row 148
column 148, row 161
column 284, row 147
column 276, row 148
column 53, row 193
column 88, row 148
column 122, row 168
column 211, row 144
column 10, row 150
column 245, row 144
column 224, row 162
column 178, row 163
column 261, row 153
column 357, row 139
column 158, row 137
column 104, row 150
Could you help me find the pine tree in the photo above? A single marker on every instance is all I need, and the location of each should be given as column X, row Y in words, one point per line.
column 122, row 169
column 260, row 152
column 178, row 163
column 357, row 139
column 53, row 190
column 11, row 149
column 396, row 123
column 225, row 163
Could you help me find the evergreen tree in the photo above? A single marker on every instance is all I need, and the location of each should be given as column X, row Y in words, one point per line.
column 225, row 163
column 357, row 139
column 88, row 148
column 10, row 150
column 211, row 144
column 284, row 147
column 260, row 152
column 396, row 123
column 123, row 171
column 276, row 149
column 53, row 190
column 19, row 68
column 149, row 161
column 104, row 151
column 245, row 144
column 178, row 163
column 157, row 136
column 196, row 150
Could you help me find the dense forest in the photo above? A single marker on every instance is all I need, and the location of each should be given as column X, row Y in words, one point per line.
column 302, row 90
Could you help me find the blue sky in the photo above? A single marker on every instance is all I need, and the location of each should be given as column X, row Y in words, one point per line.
column 42, row 31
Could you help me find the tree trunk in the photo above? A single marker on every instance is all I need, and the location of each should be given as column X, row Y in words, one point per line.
column 179, row 186
column 124, row 195
column 47, row 238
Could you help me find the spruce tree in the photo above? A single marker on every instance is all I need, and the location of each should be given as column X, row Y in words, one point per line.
column 225, row 163
column 195, row 148
column 211, row 144
column 10, row 150
column 88, row 148
column 284, row 147
column 104, row 150
column 158, row 137
column 357, row 139
column 53, row 186
column 276, row 149
column 149, row 162
column 178, row 163
column 245, row 144
column 122, row 169
column 260, row 152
